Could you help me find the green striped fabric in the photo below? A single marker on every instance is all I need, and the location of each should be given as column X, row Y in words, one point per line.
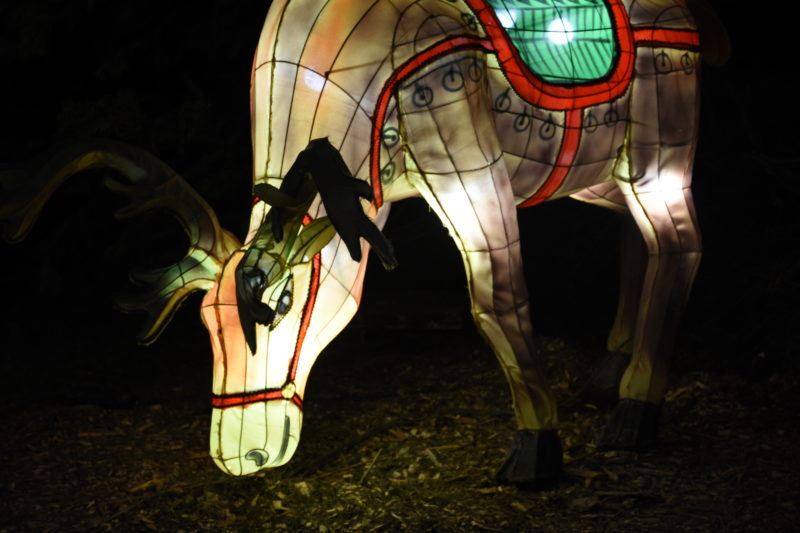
column 564, row 42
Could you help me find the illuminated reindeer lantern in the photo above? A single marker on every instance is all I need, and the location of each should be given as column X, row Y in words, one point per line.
column 477, row 106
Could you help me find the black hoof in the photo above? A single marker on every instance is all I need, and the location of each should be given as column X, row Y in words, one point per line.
column 534, row 460
column 633, row 425
column 602, row 389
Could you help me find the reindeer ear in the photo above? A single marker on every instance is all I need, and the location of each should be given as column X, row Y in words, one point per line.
column 312, row 238
column 383, row 248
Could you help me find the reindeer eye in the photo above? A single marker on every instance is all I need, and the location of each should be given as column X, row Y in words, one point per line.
column 281, row 300
column 284, row 302
column 255, row 279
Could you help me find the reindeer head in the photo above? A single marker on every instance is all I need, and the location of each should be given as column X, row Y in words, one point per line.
column 271, row 305
column 279, row 301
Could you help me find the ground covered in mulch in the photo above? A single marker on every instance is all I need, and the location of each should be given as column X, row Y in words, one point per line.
column 403, row 431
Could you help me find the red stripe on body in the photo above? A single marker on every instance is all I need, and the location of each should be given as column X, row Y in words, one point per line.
column 681, row 39
column 645, row 36
column 408, row 68
column 572, row 99
column 573, row 126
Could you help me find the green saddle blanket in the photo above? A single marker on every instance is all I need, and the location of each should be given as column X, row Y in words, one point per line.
column 563, row 42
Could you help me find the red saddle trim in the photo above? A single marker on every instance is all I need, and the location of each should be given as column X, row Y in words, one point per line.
column 555, row 97
column 405, row 70
column 684, row 39
column 573, row 125
column 539, row 93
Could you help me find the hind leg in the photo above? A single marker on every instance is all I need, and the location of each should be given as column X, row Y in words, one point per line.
column 654, row 176
column 667, row 222
column 602, row 386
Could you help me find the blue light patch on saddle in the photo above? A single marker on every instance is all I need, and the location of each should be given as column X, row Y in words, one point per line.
column 563, row 42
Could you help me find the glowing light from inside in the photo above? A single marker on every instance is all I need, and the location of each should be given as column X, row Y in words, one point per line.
column 560, row 31
column 313, row 81
column 507, row 18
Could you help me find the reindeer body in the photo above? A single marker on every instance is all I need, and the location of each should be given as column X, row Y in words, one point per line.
column 414, row 98
column 432, row 98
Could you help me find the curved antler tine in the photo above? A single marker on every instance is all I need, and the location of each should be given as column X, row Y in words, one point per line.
column 151, row 184
column 170, row 192
column 310, row 240
column 209, row 244
column 27, row 188
column 170, row 286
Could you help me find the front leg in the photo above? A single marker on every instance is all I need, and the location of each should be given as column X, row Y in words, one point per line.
column 454, row 160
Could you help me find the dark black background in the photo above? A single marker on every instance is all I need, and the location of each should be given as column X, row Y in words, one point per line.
column 175, row 80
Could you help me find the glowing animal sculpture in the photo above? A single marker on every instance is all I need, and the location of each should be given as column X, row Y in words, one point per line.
column 477, row 106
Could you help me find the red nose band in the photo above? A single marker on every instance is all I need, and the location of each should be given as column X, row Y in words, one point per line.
column 223, row 401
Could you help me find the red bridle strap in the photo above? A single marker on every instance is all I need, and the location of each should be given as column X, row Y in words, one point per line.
column 223, row 401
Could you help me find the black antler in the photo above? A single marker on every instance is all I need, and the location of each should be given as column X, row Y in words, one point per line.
column 318, row 169
column 340, row 193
